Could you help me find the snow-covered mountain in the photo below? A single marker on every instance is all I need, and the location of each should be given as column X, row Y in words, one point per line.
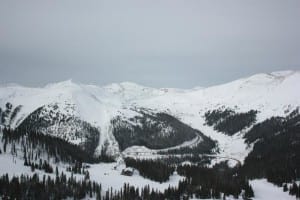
column 74, row 111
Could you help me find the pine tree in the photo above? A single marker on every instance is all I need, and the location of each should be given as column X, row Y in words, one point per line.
column 293, row 189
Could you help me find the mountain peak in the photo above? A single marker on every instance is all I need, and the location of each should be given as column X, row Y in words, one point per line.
column 284, row 73
column 128, row 84
column 266, row 78
column 63, row 84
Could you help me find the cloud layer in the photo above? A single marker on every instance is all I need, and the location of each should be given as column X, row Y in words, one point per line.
column 170, row 43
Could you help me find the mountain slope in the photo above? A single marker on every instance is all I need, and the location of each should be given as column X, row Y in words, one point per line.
column 274, row 94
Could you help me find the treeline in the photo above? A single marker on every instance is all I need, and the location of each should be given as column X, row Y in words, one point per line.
column 38, row 149
column 48, row 116
column 53, row 146
column 209, row 183
column 61, row 187
column 228, row 121
column 25, row 187
column 213, row 117
column 293, row 189
column 8, row 114
column 276, row 152
column 152, row 169
column 201, row 182
column 42, row 165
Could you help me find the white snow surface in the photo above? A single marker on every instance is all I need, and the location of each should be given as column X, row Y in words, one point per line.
column 263, row 190
column 273, row 94
column 109, row 175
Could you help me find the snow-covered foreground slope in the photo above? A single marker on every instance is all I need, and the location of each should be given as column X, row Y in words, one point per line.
column 109, row 175
column 265, row 191
column 103, row 173
column 274, row 94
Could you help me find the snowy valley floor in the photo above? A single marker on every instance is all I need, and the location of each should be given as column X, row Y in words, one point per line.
column 109, row 175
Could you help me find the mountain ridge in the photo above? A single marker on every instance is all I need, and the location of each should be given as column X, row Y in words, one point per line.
column 275, row 74
column 272, row 94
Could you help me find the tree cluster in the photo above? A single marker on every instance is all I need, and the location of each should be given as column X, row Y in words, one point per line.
column 207, row 182
column 69, row 128
column 153, row 130
column 228, row 121
column 25, row 187
column 152, row 169
column 45, row 166
column 295, row 190
column 213, row 117
column 55, row 147
column 276, row 152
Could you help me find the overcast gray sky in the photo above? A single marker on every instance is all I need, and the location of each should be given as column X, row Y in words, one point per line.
column 159, row 43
